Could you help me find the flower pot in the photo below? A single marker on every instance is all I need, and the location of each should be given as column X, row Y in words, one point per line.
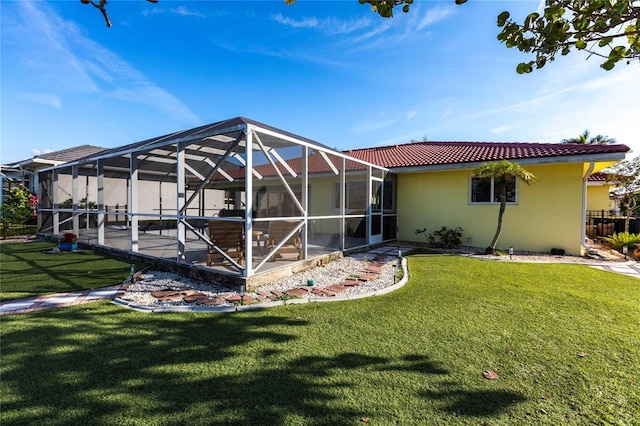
column 67, row 246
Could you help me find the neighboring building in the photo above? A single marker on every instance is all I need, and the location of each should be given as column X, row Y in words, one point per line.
column 599, row 193
column 25, row 172
column 158, row 197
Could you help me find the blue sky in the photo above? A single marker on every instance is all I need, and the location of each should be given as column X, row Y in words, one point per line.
column 332, row 71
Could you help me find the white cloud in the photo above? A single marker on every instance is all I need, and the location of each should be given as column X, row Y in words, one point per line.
column 47, row 99
column 180, row 10
column 411, row 114
column 183, row 11
column 293, row 23
column 429, row 18
column 329, row 25
column 370, row 125
column 361, row 29
column 500, row 129
column 68, row 61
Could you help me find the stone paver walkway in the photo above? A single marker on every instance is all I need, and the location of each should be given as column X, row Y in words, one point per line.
column 629, row 268
column 61, row 300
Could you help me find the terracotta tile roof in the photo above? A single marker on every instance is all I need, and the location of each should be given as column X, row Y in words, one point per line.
column 441, row 153
column 317, row 165
column 598, row 177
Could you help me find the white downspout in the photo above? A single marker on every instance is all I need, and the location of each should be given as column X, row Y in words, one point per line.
column 584, row 248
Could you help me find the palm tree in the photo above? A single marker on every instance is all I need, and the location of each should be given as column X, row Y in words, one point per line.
column 586, row 138
column 503, row 173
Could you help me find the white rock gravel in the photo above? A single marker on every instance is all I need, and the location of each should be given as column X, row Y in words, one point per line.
column 335, row 272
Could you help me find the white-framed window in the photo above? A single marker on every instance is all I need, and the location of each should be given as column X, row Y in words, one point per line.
column 485, row 191
column 355, row 195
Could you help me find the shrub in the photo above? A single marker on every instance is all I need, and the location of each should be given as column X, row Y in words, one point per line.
column 18, row 206
column 83, row 204
column 619, row 240
column 445, row 237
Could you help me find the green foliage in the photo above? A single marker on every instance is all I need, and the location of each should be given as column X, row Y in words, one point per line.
column 444, row 237
column 83, row 204
column 19, row 205
column 603, row 28
column 622, row 239
column 384, row 8
column 285, row 297
column 586, row 138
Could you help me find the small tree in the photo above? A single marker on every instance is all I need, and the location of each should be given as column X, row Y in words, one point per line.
column 18, row 207
column 625, row 175
column 503, row 173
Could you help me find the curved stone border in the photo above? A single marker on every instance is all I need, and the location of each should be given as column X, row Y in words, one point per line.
column 270, row 304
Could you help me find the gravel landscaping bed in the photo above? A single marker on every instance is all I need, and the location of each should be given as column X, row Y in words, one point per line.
column 325, row 280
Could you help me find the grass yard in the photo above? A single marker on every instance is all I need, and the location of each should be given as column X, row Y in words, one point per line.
column 26, row 271
column 413, row 357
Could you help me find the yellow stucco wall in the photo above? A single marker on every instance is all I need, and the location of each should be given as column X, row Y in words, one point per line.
column 548, row 213
column 598, row 198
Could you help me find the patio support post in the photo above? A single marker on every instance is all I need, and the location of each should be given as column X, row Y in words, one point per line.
column 133, row 207
column 181, row 230
column 100, row 200
column 305, row 198
column 55, row 201
column 75, row 221
column 342, row 197
column 583, row 227
column 369, row 214
column 248, row 200
column 86, row 205
column 381, row 201
column 39, row 193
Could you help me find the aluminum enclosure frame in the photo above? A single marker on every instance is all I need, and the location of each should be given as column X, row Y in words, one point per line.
column 157, row 197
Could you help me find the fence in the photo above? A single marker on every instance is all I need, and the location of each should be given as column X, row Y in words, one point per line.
column 8, row 230
column 602, row 223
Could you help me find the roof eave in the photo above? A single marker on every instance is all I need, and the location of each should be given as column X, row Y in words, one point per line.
column 615, row 156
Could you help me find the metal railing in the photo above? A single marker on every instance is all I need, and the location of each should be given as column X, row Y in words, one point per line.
column 603, row 223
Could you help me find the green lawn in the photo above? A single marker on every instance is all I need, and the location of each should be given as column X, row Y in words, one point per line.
column 27, row 271
column 413, row 357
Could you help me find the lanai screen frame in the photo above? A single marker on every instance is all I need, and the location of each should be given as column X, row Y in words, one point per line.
column 210, row 157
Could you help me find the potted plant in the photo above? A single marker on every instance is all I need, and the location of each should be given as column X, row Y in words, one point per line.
column 68, row 242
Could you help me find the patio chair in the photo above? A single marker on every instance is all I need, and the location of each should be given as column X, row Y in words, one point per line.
column 278, row 230
column 227, row 236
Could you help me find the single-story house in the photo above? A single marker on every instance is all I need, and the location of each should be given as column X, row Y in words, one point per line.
column 436, row 188
column 242, row 198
